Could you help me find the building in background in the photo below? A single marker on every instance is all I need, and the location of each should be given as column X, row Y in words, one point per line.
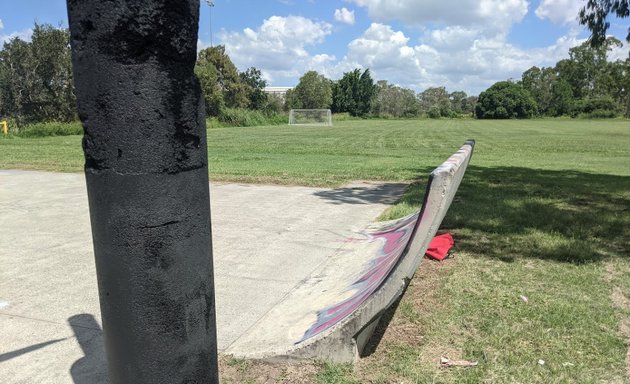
column 277, row 91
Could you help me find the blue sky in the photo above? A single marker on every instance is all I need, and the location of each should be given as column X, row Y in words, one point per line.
column 461, row 44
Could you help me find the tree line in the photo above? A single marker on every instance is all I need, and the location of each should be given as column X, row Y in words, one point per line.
column 36, row 86
column 586, row 84
column 356, row 93
column 36, row 77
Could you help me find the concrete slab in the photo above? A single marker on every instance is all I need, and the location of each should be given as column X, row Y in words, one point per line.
column 267, row 240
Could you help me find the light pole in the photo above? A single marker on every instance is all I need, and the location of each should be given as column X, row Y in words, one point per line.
column 211, row 5
column 146, row 170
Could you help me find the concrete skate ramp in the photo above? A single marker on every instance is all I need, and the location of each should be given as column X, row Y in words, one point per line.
column 332, row 314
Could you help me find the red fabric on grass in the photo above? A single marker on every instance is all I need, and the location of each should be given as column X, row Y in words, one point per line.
column 439, row 247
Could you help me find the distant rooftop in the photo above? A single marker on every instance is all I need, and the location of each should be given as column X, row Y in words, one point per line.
column 277, row 89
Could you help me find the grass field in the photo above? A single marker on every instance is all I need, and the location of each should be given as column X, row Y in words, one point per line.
column 543, row 213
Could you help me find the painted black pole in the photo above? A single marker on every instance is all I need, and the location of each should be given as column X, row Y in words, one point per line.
column 146, row 170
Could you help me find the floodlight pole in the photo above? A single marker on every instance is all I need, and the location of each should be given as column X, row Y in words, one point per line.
column 211, row 5
column 146, row 170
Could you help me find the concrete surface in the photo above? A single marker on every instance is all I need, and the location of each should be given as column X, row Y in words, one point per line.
column 333, row 313
column 267, row 240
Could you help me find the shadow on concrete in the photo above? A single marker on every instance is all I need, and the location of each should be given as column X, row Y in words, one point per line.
column 92, row 367
column 10, row 355
column 387, row 193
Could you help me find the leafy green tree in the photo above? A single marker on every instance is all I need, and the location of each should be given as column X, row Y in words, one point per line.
column 51, row 52
column 209, row 81
column 462, row 104
column 538, row 82
column 561, row 102
column 274, row 105
column 617, row 80
column 354, row 93
column 468, row 105
column 594, row 15
column 586, row 68
column 457, row 100
column 235, row 91
column 505, row 100
column 314, row 91
column 435, row 102
column 257, row 96
column 17, row 82
column 394, row 101
column 36, row 77
column 596, row 107
column 367, row 92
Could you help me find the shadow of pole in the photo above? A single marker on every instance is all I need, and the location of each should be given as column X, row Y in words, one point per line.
column 22, row 351
column 92, row 367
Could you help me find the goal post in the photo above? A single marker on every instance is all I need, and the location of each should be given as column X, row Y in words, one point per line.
column 310, row 117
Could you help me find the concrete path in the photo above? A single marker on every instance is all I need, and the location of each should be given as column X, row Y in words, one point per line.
column 267, row 239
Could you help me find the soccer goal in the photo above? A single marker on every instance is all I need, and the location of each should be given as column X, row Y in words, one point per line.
column 310, row 117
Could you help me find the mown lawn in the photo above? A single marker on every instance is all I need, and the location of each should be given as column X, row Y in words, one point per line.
column 543, row 213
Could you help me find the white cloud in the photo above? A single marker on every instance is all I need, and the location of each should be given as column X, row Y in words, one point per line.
column 469, row 55
column 559, row 11
column 455, row 57
column 343, row 15
column 455, row 37
column 25, row 35
column 279, row 47
column 490, row 14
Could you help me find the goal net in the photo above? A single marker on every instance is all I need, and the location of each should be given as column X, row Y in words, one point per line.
column 310, row 117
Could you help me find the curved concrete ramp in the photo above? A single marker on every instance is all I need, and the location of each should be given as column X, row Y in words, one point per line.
column 332, row 314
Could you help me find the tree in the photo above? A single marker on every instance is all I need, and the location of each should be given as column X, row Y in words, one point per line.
column 561, row 101
column 36, row 77
column 235, row 91
column 595, row 16
column 587, row 69
column 538, row 82
column 435, row 102
column 461, row 103
column 505, row 100
column 394, row 101
column 617, row 80
column 354, row 93
column 468, row 105
column 314, row 91
column 252, row 77
column 209, row 81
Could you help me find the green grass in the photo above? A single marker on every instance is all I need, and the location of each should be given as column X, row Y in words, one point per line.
column 46, row 129
column 543, row 212
column 398, row 150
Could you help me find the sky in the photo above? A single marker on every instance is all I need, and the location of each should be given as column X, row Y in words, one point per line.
column 460, row 44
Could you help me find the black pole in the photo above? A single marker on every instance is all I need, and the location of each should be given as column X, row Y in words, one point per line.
column 146, row 170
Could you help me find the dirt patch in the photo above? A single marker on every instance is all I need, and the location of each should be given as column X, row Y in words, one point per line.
column 247, row 371
column 620, row 300
column 610, row 272
column 406, row 328
column 401, row 327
